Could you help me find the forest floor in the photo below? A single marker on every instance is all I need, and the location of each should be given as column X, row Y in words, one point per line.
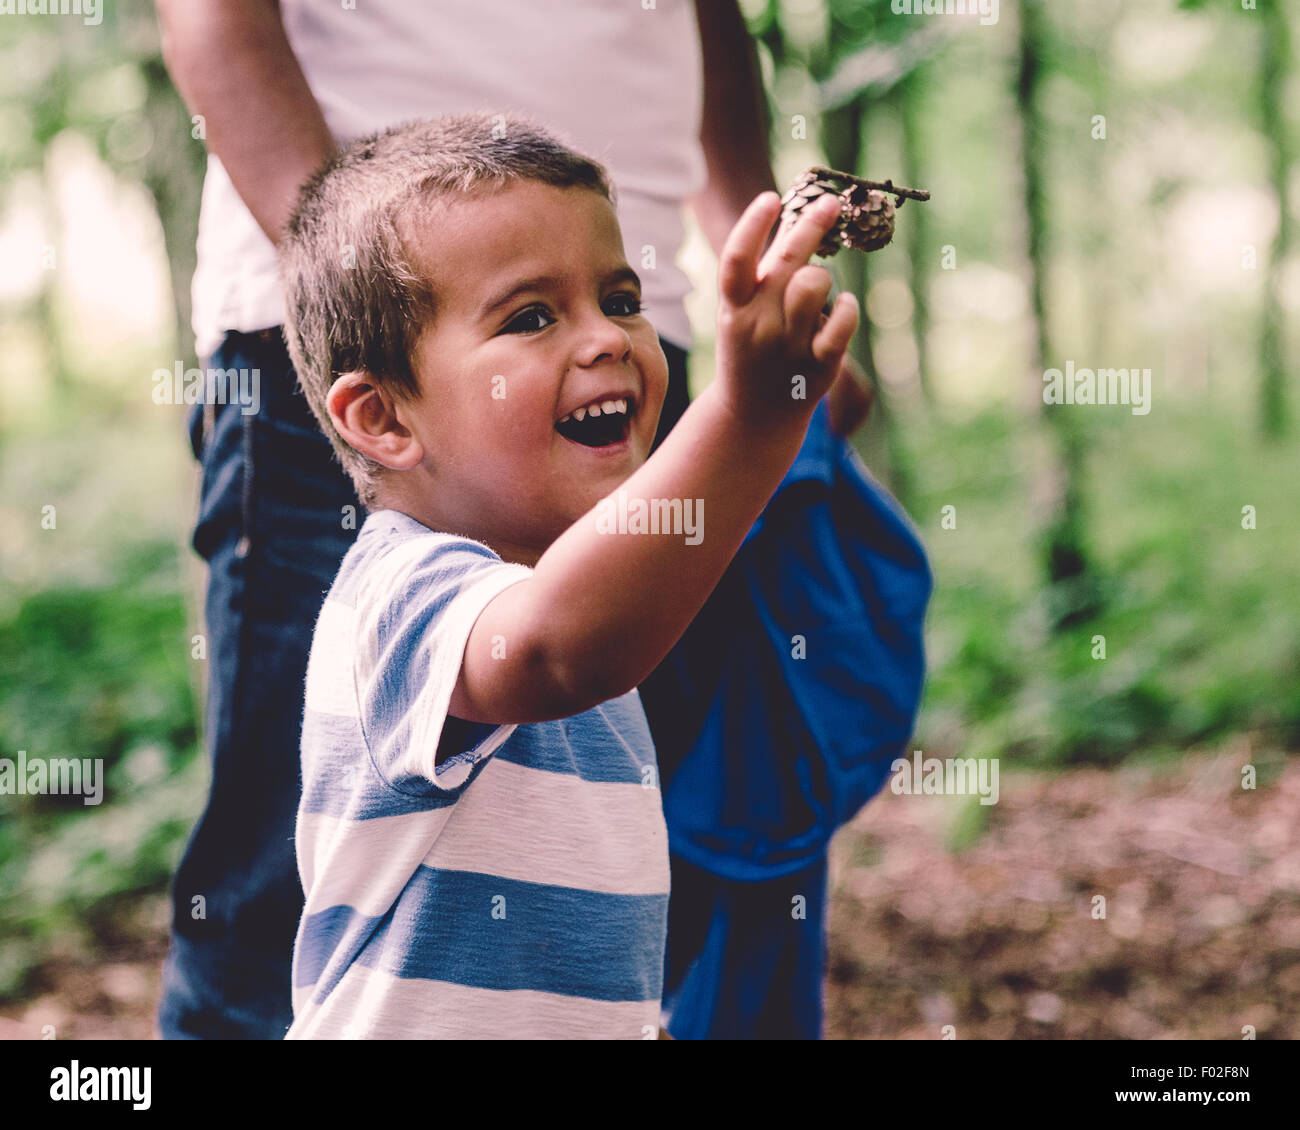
column 983, row 918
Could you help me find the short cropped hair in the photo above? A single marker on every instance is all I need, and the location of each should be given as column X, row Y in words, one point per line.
column 354, row 297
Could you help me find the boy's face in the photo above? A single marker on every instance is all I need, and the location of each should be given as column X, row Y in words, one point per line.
column 537, row 322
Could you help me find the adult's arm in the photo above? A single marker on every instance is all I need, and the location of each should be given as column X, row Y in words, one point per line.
column 232, row 63
column 733, row 129
column 733, row 133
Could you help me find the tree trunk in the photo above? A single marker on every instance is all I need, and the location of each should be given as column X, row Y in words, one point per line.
column 916, row 221
column 1274, row 70
column 173, row 175
column 1072, row 594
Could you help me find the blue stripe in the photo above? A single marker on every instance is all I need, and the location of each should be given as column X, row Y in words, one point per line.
column 339, row 779
column 559, row 940
column 331, row 937
column 592, row 745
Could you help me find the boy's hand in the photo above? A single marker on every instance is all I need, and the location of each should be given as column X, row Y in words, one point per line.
column 775, row 356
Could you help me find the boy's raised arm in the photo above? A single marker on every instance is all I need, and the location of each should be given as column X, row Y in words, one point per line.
column 603, row 609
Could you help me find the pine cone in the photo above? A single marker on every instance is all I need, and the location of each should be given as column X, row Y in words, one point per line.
column 867, row 219
column 808, row 189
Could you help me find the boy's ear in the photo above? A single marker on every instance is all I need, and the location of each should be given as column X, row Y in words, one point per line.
column 364, row 414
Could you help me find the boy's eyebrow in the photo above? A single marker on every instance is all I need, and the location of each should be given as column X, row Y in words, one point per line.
column 542, row 282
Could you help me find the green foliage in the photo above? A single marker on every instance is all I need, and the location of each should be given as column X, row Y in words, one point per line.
column 859, row 49
column 99, row 670
column 1199, row 642
column 95, row 673
column 71, row 876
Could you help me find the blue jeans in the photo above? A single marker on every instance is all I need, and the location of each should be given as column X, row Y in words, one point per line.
column 273, row 527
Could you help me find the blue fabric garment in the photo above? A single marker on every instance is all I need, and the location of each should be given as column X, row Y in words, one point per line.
column 782, row 707
column 406, row 863
column 746, row 960
column 775, row 719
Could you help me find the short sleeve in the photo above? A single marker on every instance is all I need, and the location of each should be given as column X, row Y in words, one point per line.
column 415, row 614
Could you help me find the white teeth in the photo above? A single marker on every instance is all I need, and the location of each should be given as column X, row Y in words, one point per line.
column 598, row 408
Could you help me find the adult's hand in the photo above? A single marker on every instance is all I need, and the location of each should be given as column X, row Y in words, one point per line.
column 850, row 398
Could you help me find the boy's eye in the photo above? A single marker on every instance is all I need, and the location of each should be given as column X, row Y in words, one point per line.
column 625, row 304
column 528, row 321
column 622, row 305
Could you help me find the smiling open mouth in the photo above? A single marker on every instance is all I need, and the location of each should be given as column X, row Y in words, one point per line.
column 599, row 424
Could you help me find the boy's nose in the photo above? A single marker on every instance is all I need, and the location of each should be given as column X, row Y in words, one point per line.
column 603, row 340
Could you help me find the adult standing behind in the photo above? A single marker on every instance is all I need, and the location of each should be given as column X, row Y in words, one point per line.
column 667, row 97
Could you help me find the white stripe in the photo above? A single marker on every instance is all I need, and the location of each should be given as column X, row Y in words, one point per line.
column 364, row 864
column 384, row 573
column 557, row 829
column 384, row 569
column 331, row 685
column 519, row 823
column 371, row 1005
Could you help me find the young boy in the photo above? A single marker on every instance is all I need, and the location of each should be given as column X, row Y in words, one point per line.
column 481, row 839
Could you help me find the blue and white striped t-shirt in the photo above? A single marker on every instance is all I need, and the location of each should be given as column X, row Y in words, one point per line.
column 519, row 889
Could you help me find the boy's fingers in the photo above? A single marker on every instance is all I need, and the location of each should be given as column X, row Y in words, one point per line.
column 833, row 338
column 795, row 244
column 804, row 298
column 738, row 263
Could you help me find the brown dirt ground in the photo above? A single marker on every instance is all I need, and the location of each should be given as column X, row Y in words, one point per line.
column 1202, row 930
column 945, row 912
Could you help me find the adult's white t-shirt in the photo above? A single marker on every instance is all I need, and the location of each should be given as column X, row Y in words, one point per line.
column 618, row 81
